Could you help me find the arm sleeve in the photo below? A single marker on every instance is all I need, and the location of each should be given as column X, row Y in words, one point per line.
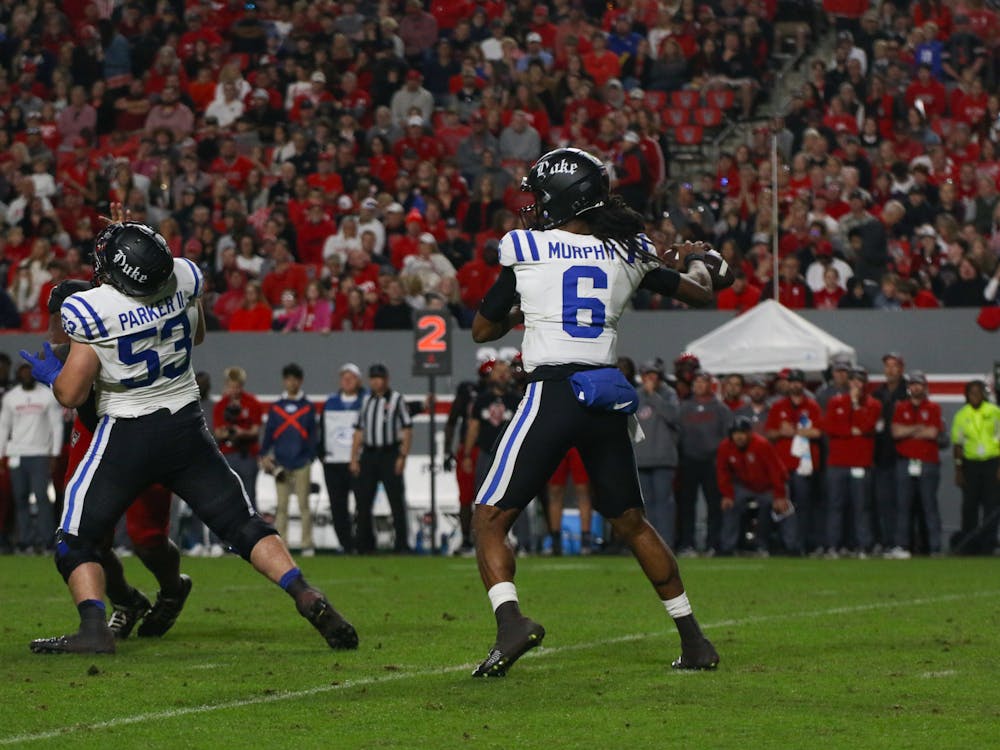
column 957, row 434
column 661, row 281
column 403, row 413
column 500, row 298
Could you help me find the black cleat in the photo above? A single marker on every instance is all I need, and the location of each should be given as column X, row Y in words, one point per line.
column 513, row 642
column 337, row 631
column 165, row 612
column 101, row 641
column 126, row 616
column 698, row 656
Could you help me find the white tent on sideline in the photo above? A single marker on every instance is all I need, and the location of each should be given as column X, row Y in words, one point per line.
column 767, row 338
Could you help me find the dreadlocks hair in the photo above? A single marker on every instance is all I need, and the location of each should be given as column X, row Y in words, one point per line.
column 617, row 225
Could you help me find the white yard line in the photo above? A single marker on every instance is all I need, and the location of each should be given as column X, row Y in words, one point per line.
column 257, row 700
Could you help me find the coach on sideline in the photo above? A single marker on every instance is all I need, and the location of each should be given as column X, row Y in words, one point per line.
column 382, row 437
column 749, row 467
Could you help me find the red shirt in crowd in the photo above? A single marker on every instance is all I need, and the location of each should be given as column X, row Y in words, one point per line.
column 475, row 279
column 757, row 467
column 926, row 413
column 234, row 172
column 427, row 148
column 728, row 299
column 785, row 410
column 794, row 295
column 966, row 107
column 293, row 276
column 257, row 318
column 932, row 93
column 310, row 237
column 824, row 299
column 847, row 447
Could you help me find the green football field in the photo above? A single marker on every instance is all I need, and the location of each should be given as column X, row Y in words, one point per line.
column 852, row 654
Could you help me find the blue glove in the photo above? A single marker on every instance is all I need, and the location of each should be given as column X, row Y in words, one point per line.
column 46, row 368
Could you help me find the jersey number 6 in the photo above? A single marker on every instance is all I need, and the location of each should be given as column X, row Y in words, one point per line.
column 150, row 357
column 573, row 303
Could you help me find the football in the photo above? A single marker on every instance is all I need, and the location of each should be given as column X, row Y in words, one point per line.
column 722, row 274
column 718, row 268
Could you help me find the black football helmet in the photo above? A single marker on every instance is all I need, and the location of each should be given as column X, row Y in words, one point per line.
column 566, row 182
column 133, row 258
column 64, row 289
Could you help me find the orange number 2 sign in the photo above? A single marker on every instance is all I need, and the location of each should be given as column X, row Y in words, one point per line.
column 434, row 338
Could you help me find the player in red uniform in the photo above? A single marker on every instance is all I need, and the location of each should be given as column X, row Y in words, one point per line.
column 458, row 419
column 570, row 469
column 147, row 521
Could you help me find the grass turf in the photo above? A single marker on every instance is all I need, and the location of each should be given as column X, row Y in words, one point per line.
column 814, row 654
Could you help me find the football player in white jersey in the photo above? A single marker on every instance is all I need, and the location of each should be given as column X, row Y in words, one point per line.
column 131, row 340
column 568, row 279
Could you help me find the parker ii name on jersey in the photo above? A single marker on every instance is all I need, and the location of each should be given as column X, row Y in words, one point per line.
column 140, row 342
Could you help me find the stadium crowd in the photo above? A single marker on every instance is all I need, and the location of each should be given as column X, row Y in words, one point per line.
column 333, row 165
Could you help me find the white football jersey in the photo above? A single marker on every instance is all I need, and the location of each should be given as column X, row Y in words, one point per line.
column 144, row 344
column 573, row 290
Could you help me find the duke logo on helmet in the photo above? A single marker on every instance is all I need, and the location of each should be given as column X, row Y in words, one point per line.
column 133, row 272
column 132, row 258
column 566, row 182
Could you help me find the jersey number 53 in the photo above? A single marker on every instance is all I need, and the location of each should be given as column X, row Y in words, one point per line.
column 150, row 357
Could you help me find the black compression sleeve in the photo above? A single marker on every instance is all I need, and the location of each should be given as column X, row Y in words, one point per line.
column 662, row 281
column 500, row 298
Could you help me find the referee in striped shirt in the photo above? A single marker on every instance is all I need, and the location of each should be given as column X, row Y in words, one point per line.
column 382, row 437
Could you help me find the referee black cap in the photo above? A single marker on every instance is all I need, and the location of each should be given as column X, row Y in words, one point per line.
column 378, row 370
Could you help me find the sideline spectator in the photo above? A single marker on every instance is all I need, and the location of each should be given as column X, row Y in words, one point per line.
column 850, row 423
column 340, row 413
column 288, row 450
column 31, row 438
column 974, row 435
column 656, row 456
column 916, row 425
column 840, row 373
column 569, row 470
column 704, row 422
column 748, row 468
column 757, row 405
column 890, row 393
column 794, row 425
column 237, row 417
